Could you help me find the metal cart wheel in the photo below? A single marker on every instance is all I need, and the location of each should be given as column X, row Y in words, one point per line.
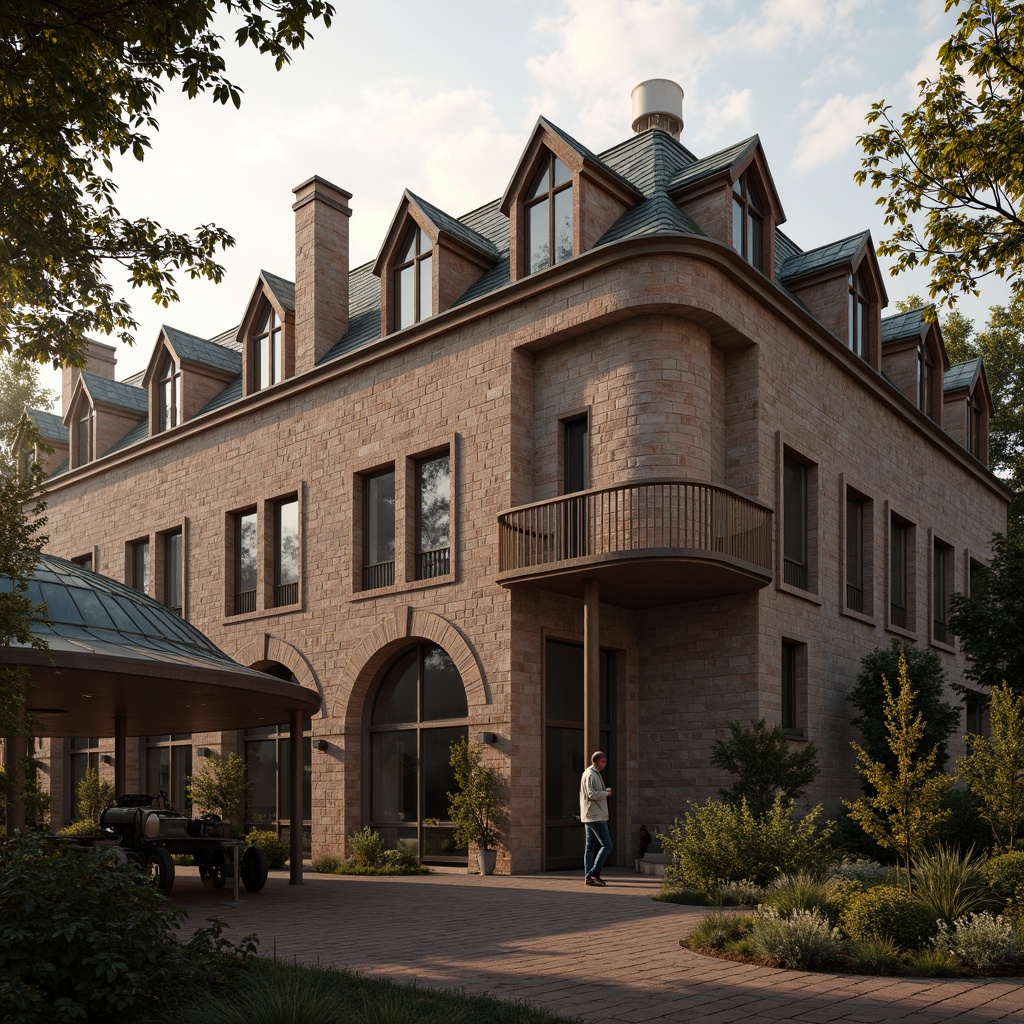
column 254, row 869
column 161, row 869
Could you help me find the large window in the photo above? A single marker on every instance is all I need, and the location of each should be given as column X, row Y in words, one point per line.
column 858, row 553
column 286, row 552
column 246, row 561
column 901, row 544
column 268, row 768
column 379, row 530
column 140, row 565
column 857, row 327
column 173, row 589
column 168, row 767
column 266, row 350
column 419, row 711
column 795, row 523
column 942, row 589
column 549, row 216
column 169, row 394
column 575, row 455
column 414, row 279
column 794, row 686
column 748, row 222
column 433, row 517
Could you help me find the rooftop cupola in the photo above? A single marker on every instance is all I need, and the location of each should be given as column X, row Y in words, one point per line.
column 658, row 103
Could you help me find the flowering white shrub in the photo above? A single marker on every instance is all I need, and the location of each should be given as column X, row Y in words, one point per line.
column 982, row 942
column 803, row 939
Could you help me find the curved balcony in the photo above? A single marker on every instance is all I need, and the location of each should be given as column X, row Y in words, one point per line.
column 652, row 543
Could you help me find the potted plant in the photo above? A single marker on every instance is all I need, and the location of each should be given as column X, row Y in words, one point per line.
column 476, row 808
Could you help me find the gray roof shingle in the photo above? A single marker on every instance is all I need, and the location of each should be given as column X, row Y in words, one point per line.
column 830, row 255
column 205, row 353
column 962, row 375
column 911, row 324
column 284, row 290
column 713, row 164
column 116, row 393
column 50, row 425
column 456, row 229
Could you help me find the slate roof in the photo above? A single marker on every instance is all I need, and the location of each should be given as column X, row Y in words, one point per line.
column 116, row 393
column 830, row 255
column 463, row 232
column 713, row 164
column 904, row 325
column 206, row 353
column 284, row 290
column 50, row 426
column 962, row 375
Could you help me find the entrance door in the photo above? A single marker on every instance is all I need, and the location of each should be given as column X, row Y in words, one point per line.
column 564, row 758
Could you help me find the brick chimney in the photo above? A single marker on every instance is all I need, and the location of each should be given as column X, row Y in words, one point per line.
column 101, row 360
column 321, row 269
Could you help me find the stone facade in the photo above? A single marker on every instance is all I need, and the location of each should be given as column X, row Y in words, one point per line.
column 687, row 365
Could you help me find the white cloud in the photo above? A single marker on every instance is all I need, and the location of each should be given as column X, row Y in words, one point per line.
column 831, row 132
column 735, row 108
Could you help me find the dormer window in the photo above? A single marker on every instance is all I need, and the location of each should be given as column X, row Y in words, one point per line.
column 84, row 445
column 748, row 222
column 857, row 325
column 169, row 394
column 549, row 215
column 267, row 349
column 975, row 427
column 414, row 281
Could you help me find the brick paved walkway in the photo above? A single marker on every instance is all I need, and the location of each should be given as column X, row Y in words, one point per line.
column 606, row 955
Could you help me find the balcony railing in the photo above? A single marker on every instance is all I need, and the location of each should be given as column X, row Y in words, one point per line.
column 667, row 516
column 380, row 574
column 245, row 601
column 854, row 597
column 433, row 563
column 286, row 593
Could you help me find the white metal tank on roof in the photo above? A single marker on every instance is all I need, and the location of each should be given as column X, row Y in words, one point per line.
column 658, row 103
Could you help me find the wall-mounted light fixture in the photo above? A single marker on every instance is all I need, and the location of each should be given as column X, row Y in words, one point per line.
column 320, row 744
column 488, row 737
column 106, row 759
column 203, row 751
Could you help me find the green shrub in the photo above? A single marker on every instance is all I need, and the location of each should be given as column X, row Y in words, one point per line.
column 83, row 936
column 183, row 860
column 714, row 931
column 328, row 864
column 718, row 843
column 276, row 848
column 81, row 828
column 950, row 884
column 964, row 829
column 802, row 940
column 744, row 893
column 841, row 892
column 875, row 956
column 861, row 869
column 983, row 943
column 1005, row 873
column 885, row 912
column 801, row 890
column 94, row 795
column 683, row 897
column 366, row 848
column 932, row 962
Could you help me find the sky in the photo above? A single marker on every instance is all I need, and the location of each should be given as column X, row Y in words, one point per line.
column 440, row 98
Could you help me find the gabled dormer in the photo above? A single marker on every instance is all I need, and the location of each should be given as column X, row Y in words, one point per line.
column 915, row 361
column 560, row 201
column 184, row 373
column 967, row 407
column 841, row 286
column 100, row 413
column 30, row 446
column 427, row 261
column 731, row 196
column 266, row 336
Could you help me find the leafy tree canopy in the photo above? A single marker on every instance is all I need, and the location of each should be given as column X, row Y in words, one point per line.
column 950, row 169
column 79, row 83
column 990, row 622
column 765, row 768
column 19, row 386
column 924, row 666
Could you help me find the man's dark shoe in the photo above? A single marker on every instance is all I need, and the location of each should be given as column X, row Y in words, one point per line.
column 591, row 880
column 598, row 880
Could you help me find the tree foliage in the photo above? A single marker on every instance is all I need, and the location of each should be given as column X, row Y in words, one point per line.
column 951, row 168
column 906, row 808
column 219, row 786
column 994, row 767
column 476, row 808
column 765, row 768
column 990, row 621
column 79, row 84
column 924, row 666
column 19, row 386
column 94, row 794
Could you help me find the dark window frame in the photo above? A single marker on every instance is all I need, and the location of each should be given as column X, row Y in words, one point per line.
column 419, row 263
column 748, row 221
column 286, row 591
column 244, row 601
column 379, row 573
column 548, row 165
column 435, row 561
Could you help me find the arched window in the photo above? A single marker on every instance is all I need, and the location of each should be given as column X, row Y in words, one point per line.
column 169, row 394
column 549, row 216
column 414, row 289
column 419, row 711
column 748, row 222
column 266, row 350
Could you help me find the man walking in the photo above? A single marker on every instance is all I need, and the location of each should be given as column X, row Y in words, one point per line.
column 594, row 815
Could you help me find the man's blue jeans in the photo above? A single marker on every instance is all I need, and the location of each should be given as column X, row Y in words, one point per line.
column 599, row 847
